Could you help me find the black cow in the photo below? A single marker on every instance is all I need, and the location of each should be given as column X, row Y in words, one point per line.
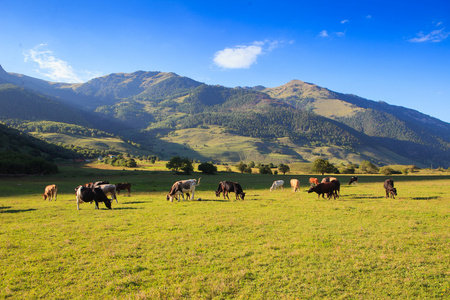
column 353, row 179
column 390, row 189
column 85, row 194
column 227, row 187
column 329, row 188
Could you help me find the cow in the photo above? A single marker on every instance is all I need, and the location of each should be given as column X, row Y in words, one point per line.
column 328, row 179
column 227, row 187
column 181, row 187
column 50, row 192
column 108, row 189
column 390, row 189
column 328, row 188
column 85, row 194
column 276, row 184
column 313, row 181
column 100, row 182
column 295, row 184
column 123, row 186
column 354, row 179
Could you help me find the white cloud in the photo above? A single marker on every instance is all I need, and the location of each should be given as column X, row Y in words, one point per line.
column 344, row 21
column 323, row 33
column 54, row 68
column 242, row 57
column 434, row 36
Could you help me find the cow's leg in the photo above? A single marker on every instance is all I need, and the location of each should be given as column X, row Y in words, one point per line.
column 96, row 204
column 115, row 197
column 128, row 189
column 56, row 193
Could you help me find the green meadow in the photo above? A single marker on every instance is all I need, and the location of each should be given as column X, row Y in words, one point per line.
column 272, row 245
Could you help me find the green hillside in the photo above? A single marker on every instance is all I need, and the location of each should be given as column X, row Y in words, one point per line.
column 153, row 108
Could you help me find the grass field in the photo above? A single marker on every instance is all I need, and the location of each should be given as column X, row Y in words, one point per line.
column 273, row 245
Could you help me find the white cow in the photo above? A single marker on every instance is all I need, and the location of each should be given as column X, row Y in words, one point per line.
column 276, row 184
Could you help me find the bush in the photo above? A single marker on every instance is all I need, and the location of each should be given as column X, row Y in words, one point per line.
column 207, row 168
column 265, row 170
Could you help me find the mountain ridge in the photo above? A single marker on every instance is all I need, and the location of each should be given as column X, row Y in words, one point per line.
column 157, row 104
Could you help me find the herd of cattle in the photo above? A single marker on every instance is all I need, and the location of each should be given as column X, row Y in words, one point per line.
column 98, row 191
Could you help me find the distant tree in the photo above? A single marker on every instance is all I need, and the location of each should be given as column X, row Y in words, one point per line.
column 323, row 166
column 248, row 170
column 241, row 166
column 265, row 170
column 177, row 163
column 283, row 168
column 207, row 168
column 251, row 164
column 368, row 167
column 174, row 163
column 131, row 163
column 386, row 170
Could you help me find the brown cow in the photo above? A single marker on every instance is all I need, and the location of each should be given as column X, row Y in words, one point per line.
column 295, row 184
column 50, row 192
column 313, row 181
column 123, row 186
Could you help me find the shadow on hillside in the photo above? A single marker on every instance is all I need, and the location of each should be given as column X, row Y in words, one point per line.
column 12, row 211
column 426, row 198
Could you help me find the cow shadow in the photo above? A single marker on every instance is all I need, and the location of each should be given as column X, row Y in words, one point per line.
column 213, row 200
column 426, row 198
column 124, row 208
column 134, row 202
column 13, row 211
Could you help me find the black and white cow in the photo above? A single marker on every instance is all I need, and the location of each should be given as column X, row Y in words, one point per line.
column 85, row 194
column 183, row 187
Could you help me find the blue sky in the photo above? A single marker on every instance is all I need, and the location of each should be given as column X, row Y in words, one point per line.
column 393, row 51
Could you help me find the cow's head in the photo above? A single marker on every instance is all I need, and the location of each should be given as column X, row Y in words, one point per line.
column 312, row 189
column 217, row 193
column 45, row 196
column 393, row 191
column 242, row 196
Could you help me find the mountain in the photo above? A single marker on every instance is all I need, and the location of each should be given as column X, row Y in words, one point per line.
column 174, row 115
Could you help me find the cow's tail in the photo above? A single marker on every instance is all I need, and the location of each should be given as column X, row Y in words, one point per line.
column 198, row 182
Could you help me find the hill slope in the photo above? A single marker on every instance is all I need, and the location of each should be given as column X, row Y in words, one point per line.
column 157, row 107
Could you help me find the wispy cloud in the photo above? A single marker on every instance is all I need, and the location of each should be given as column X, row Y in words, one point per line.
column 243, row 56
column 344, row 21
column 324, row 34
column 55, row 68
column 434, row 36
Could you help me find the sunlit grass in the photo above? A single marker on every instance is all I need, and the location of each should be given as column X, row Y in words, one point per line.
column 273, row 245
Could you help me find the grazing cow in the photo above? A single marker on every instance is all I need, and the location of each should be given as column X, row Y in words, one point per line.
column 100, row 182
column 328, row 179
column 354, row 179
column 313, row 181
column 390, row 189
column 50, row 192
column 181, row 187
column 227, row 187
column 295, row 184
column 276, row 184
column 108, row 189
column 123, row 186
column 85, row 194
column 328, row 188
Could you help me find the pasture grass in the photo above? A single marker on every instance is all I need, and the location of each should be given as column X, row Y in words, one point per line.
column 272, row 245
